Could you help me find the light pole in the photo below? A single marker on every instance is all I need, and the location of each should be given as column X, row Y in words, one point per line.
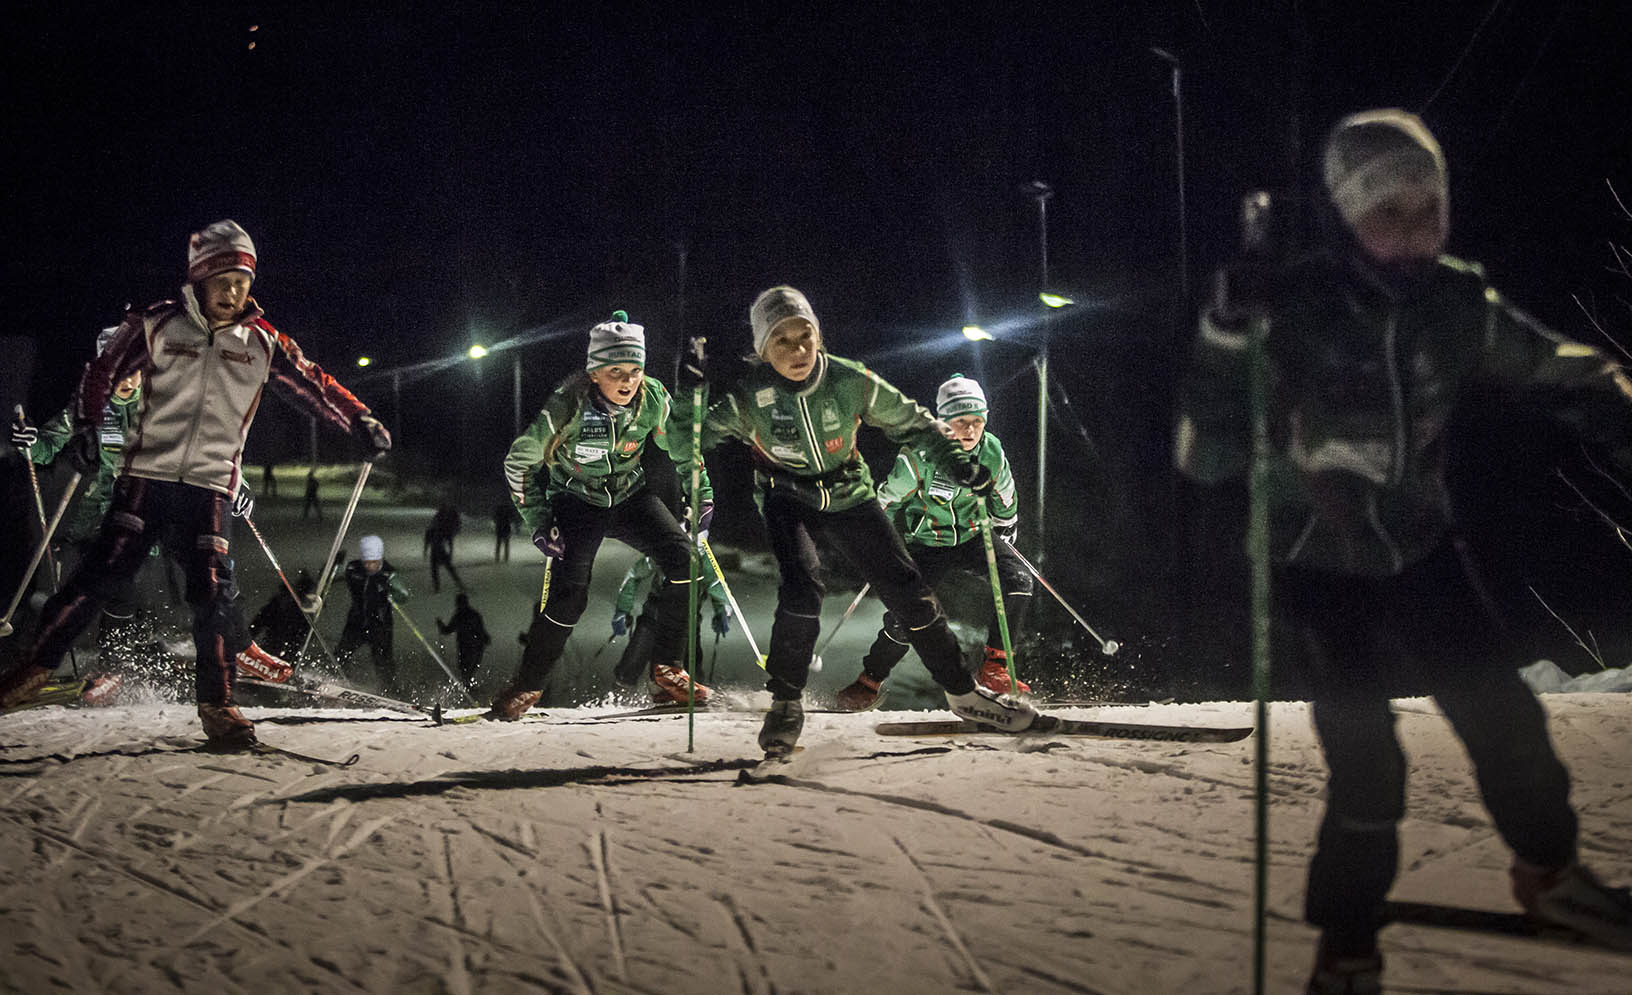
column 1041, row 192
column 1178, row 166
column 515, row 397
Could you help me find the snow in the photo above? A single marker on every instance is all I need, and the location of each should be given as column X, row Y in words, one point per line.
column 576, row 854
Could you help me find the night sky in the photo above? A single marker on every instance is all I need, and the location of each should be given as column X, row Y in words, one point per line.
column 419, row 177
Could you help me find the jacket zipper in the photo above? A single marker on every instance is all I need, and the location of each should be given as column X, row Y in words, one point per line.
column 198, row 410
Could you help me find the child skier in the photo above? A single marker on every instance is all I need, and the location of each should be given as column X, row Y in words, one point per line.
column 637, row 655
column 943, row 534
column 470, row 635
column 205, row 360
column 798, row 410
column 374, row 587
column 1374, row 341
column 575, row 477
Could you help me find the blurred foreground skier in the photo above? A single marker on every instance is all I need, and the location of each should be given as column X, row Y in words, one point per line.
column 374, row 587
column 943, row 535
column 576, row 478
column 204, row 360
column 799, row 410
column 1375, row 340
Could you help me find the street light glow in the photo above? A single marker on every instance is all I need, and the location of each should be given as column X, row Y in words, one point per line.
column 477, row 351
column 364, row 360
column 1055, row 300
column 975, row 333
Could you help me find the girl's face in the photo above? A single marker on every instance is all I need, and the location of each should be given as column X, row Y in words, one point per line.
column 967, row 429
column 792, row 347
column 1406, row 228
column 618, row 382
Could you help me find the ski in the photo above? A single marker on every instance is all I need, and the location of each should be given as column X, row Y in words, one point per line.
column 1509, row 924
column 1051, row 725
column 328, row 691
column 55, row 693
column 443, row 719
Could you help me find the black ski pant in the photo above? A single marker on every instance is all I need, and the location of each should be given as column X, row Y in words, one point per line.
column 378, row 636
column 865, row 537
column 501, row 544
column 642, row 521
column 935, row 562
column 442, row 559
column 1424, row 631
column 193, row 526
column 636, row 659
column 470, row 661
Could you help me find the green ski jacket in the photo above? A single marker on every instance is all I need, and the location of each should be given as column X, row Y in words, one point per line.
column 937, row 511
column 582, row 446
column 803, row 436
column 118, row 421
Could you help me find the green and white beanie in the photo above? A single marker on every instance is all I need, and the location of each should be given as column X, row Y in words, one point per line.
column 616, row 341
column 1375, row 155
column 959, row 396
column 774, row 306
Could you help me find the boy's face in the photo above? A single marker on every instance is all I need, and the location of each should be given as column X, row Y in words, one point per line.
column 618, row 382
column 222, row 297
column 791, row 350
column 126, row 387
column 1406, row 228
column 967, row 429
column 373, row 566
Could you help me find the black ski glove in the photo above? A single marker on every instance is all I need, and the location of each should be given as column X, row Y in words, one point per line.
column 1005, row 533
column 693, row 364
column 84, row 450
column 243, row 503
column 370, row 431
column 549, row 542
column 23, row 434
column 973, row 475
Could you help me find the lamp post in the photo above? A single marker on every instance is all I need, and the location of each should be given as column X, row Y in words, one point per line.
column 515, row 397
column 1178, row 167
column 1041, row 192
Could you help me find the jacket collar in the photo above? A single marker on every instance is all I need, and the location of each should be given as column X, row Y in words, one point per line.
column 189, row 304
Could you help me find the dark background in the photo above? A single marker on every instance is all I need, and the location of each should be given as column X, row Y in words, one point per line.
column 421, row 177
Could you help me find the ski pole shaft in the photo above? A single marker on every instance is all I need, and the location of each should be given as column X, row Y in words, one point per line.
column 334, row 550
column 1106, row 646
column 39, row 503
column 434, row 654
column 851, row 610
column 985, row 521
column 731, row 600
column 39, row 553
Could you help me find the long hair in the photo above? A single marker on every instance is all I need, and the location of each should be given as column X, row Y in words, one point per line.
column 578, row 387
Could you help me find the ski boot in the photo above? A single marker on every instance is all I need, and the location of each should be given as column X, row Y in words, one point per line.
column 512, row 703
column 103, row 689
column 257, row 664
column 861, row 695
column 23, row 685
column 672, row 683
column 994, row 674
column 225, row 727
column 988, row 708
column 1573, row 897
column 1336, row 973
column 783, row 723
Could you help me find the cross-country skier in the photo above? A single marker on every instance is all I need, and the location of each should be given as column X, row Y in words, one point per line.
column 1375, row 341
column 943, row 535
column 374, row 587
column 798, row 410
column 205, row 360
column 576, row 478
column 281, row 624
column 439, row 543
column 470, row 635
column 504, row 520
column 637, row 655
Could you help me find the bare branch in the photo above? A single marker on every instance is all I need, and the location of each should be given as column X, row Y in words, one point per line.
column 1620, row 203
column 1591, row 651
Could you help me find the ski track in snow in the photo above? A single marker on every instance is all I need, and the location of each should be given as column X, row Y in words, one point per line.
column 595, row 858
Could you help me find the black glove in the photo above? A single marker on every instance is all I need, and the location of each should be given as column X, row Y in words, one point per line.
column 23, row 434
column 1005, row 533
column 973, row 475
column 243, row 503
column 693, row 364
column 370, row 431
column 549, row 542
column 84, row 450
column 620, row 624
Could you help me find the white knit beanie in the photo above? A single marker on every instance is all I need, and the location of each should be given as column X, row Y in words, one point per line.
column 220, row 247
column 959, row 396
column 371, row 548
column 616, row 341
column 1375, row 155
column 774, row 306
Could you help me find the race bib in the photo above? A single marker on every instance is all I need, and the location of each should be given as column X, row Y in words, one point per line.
column 594, row 437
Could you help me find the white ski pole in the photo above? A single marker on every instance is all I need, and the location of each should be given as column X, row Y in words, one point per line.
column 39, row 503
column 736, row 609
column 39, row 553
column 310, row 628
column 334, row 549
column 1106, row 646
column 855, row 602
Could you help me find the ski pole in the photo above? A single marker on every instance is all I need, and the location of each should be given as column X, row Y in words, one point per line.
column 1106, row 646
column 321, row 644
column 39, row 503
column 334, row 549
column 699, row 402
column 985, row 522
column 854, row 603
column 39, row 553
column 432, row 651
column 731, row 600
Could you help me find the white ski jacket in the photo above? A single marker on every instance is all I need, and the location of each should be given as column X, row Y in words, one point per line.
column 200, row 390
